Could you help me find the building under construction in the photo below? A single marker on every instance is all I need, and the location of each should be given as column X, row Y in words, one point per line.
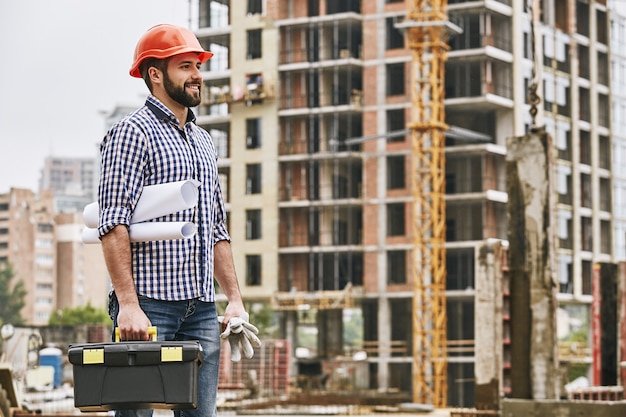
column 310, row 106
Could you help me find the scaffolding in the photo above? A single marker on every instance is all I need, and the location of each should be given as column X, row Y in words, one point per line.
column 266, row 374
column 318, row 300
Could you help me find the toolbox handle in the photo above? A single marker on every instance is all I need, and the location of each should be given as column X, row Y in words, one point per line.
column 152, row 332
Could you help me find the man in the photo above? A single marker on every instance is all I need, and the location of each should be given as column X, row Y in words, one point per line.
column 169, row 283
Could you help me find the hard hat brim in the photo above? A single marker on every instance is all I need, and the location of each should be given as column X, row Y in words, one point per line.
column 162, row 54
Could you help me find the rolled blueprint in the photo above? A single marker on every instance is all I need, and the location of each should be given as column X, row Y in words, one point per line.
column 155, row 201
column 149, row 231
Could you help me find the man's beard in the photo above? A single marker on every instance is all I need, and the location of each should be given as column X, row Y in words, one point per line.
column 178, row 94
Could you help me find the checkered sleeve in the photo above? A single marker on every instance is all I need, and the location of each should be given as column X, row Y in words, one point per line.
column 124, row 151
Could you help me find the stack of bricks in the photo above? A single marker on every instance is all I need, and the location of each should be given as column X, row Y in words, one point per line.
column 597, row 393
column 472, row 412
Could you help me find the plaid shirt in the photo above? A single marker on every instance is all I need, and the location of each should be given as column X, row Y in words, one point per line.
column 147, row 147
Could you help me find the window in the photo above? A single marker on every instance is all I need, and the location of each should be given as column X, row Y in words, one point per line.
column 254, row 44
column 603, row 110
column 605, row 194
column 340, row 232
column 601, row 26
column 396, row 267
column 582, row 18
column 564, row 185
column 395, row 172
column 45, row 228
column 253, row 133
column 460, row 269
column 586, row 234
column 223, row 178
column 334, row 6
column 585, row 147
column 603, row 68
column 395, row 37
column 584, row 70
column 44, row 286
column 585, row 190
column 220, row 138
column 587, row 273
column 254, row 89
column 255, row 6
column 471, row 37
column 253, row 179
column 463, row 79
column 314, row 227
column 253, row 224
column 584, row 104
column 605, row 236
column 314, row 8
column 213, row 14
column 566, row 286
column 395, row 123
column 253, row 270
column 565, row 229
column 604, row 150
column 395, row 219
column 395, row 79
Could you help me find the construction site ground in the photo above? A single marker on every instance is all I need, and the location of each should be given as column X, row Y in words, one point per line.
column 329, row 403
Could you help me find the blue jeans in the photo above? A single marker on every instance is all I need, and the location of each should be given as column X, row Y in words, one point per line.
column 184, row 320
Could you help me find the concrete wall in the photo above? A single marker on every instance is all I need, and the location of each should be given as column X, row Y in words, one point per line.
column 547, row 408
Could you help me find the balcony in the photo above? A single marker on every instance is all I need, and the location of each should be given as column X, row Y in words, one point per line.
column 351, row 101
column 319, row 136
column 336, row 182
column 326, row 269
column 316, row 39
column 306, row 58
column 472, row 4
column 328, row 228
column 300, row 22
column 478, row 84
column 254, row 93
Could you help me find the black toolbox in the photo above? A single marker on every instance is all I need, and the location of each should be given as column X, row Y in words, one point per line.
column 133, row 375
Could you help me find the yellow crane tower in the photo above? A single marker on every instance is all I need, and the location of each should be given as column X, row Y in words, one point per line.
column 427, row 28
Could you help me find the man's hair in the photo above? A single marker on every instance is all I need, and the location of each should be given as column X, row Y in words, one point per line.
column 160, row 64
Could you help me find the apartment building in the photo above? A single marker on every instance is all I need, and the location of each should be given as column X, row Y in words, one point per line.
column 27, row 243
column 73, row 181
column 40, row 237
column 82, row 276
column 308, row 103
column 618, row 125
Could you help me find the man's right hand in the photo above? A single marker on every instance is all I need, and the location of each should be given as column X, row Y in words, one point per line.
column 131, row 320
column 133, row 323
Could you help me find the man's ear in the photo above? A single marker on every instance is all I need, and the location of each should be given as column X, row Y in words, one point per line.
column 155, row 74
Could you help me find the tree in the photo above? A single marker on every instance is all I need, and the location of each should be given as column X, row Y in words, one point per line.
column 11, row 296
column 79, row 315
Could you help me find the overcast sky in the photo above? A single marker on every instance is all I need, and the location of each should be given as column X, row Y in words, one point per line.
column 64, row 63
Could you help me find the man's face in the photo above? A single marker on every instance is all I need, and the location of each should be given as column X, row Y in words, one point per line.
column 182, row 80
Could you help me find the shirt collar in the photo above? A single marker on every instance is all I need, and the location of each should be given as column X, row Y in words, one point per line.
column 163, row 113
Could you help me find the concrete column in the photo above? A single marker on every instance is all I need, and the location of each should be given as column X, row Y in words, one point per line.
column 330, row 333
column 384, row 334
column 290, row 335
column 488, row 328
column 534, row 354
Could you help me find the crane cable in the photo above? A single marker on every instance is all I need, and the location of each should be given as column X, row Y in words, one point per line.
column 533, row 97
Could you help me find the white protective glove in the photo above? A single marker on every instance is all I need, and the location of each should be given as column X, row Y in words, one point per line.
column 242, row 337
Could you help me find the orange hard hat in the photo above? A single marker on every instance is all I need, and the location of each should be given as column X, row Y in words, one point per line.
column 163, row 41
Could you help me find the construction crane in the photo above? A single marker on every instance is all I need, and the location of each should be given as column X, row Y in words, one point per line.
column 427, row 27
